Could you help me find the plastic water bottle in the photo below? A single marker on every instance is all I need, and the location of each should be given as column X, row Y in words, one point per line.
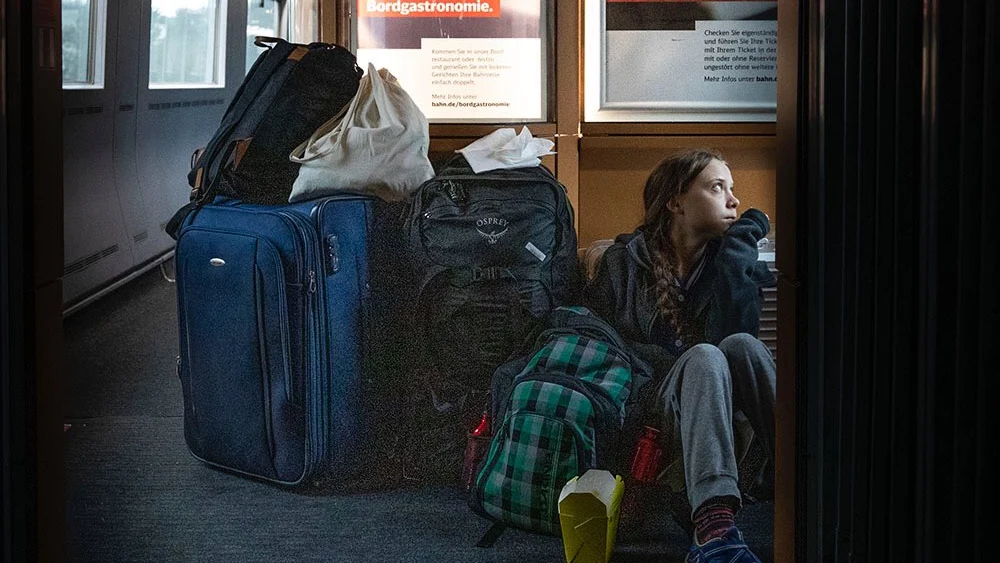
column 640, row 485
column 475, row 448
column 646, row 462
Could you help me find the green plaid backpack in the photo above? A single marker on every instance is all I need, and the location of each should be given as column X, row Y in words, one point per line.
column 558, row 410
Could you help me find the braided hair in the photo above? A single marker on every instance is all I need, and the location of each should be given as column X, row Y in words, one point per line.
column 671, row 177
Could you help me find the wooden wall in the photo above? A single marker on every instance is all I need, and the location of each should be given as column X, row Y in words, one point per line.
column 613, row 171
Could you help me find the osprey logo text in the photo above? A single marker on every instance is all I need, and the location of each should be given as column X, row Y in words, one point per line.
column 496, row 225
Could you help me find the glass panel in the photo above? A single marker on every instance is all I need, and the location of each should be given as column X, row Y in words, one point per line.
column 75, row 41
column 294, row 20
column 262, row 19
column 480, row 61
column 303, row 21
column 185, row 42
column 83, row 43
column 680, row 60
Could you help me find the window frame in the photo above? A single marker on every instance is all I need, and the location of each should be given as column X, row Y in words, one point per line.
column 97, row 42
column 219, row 80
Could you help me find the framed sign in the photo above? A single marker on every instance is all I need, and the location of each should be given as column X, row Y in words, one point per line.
column 479, row 61
column 672, row 60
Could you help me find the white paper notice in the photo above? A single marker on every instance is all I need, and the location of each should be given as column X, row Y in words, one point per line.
column 722, row 63
column 468, row 79
column 483, row 78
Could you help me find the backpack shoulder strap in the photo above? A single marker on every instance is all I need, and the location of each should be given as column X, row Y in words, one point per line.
column 491, row 535
column 266, row 65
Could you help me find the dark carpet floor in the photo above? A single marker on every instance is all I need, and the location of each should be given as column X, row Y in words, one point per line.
column 135, row 494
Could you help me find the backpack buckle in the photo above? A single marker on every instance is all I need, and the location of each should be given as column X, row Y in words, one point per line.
column 490, row 274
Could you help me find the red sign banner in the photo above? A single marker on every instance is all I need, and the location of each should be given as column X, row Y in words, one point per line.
column 429, row 9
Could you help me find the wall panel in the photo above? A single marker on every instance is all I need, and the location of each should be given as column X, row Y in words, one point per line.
column 613, row 171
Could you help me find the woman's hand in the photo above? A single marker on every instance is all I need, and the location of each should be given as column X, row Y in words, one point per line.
column 756, row 217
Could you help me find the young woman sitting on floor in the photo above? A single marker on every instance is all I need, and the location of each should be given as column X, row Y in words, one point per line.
column 686, row 290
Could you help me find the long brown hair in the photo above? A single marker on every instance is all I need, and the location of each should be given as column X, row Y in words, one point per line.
column 671, row 177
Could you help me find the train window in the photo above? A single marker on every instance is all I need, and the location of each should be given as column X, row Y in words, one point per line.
column 186, row 44
column 303, row 21
column 83, row 38
column 262, row 19
column 294, row 20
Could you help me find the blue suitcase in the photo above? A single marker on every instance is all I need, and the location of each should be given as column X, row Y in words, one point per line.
column 274, row 304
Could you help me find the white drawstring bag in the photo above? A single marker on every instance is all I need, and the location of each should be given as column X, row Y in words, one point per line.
column 376, row 146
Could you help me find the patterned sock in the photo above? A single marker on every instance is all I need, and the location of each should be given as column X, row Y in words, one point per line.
column 712, row 519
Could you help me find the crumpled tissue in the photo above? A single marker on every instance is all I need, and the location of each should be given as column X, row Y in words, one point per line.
column 505, row 149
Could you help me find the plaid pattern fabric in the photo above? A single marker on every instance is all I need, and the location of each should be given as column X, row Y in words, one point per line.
column 549, row 432
column 587, row 359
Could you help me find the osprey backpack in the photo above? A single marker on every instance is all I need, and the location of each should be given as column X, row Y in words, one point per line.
column 491, row 254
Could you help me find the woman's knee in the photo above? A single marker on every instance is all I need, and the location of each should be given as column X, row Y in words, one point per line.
column 706, row 356
column 702, row 371
column 708, row 363
column 742, row 344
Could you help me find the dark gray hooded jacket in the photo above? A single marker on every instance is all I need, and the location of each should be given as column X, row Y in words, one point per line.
column 726, row 298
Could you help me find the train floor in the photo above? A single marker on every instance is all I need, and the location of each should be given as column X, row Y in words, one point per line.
column 134, row 493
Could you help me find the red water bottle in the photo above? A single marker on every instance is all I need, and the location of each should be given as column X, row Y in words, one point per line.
column 475, row 448
column 646, row 462
column 639, row 488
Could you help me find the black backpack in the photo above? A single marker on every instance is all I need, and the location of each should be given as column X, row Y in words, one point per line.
column 289, row 92
column 492, row 254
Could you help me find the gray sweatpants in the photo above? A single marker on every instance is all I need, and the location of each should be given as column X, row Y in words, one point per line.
column 697, row 399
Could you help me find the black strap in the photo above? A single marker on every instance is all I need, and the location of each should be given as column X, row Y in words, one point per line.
column 492, row 535
column 432, row 272
column 199, row 197
column 264, row 40
column 173, row 226
column 466, row 276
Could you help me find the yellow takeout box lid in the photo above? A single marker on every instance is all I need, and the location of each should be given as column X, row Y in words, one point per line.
column 588, row 515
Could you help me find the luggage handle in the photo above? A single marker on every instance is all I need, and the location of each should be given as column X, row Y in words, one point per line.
column 265, row 41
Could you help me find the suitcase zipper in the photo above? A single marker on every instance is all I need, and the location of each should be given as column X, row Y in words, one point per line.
column 316, row 436
column 283, row 320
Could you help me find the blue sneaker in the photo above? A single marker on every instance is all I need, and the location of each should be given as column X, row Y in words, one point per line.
column 727, row 548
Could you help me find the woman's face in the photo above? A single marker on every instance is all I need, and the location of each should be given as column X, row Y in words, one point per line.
column 708, row 207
